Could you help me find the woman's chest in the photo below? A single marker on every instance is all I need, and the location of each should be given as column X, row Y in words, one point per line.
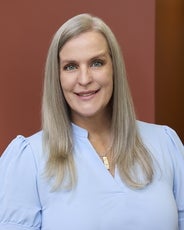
column 96, row 206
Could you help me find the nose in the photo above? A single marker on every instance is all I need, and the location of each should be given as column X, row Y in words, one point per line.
column 84, row 77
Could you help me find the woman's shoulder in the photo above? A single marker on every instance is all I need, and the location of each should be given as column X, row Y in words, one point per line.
column 35, row 141
column 23, row 148
column 147, row 127
column 21, row 140
column 161, row 139
column 157, row 132
column 19, row 176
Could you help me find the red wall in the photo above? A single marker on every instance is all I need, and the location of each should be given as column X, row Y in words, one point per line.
column 26, row 30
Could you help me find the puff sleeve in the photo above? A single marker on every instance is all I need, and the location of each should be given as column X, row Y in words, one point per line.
column 176, row 149
column 19, row 200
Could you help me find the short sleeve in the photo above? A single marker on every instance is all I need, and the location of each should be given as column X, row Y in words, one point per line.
column 19, row 201
column 177, row 153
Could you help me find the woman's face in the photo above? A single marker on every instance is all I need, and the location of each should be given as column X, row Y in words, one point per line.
column 86, row 75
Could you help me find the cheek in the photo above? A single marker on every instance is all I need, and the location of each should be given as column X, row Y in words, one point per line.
column 63, row 84
column 66, row 83
column 111, row 89
column 109, row 82
column 110, row 86
column 107, row 87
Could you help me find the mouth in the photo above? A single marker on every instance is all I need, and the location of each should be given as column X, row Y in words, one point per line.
column 87, row 94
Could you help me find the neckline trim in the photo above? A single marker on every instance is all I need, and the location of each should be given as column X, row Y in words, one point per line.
column 78, row 131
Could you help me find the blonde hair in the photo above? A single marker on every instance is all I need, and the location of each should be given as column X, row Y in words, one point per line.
column 129, row 152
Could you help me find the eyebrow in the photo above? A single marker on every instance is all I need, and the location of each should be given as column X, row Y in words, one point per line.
column 100, row 55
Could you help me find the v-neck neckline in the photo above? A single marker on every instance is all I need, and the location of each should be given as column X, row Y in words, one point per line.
column 94, row 160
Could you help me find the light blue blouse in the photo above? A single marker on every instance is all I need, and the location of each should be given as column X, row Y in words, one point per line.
column 99, row 201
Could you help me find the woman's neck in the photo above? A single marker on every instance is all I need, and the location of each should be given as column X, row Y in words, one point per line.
column 100, row 137
column 95, row 125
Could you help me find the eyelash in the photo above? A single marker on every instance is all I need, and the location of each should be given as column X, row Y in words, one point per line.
column 98, row 61
column 95, row 63
column 70, row 65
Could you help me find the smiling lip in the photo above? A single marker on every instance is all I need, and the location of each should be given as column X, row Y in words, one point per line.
column 87, row 93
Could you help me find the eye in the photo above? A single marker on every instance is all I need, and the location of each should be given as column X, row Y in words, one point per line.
column 70, row 67
column 97, row 63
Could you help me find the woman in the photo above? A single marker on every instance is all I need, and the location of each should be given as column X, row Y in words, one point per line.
column 93, row 166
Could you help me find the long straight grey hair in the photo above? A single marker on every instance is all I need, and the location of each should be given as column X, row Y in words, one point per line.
column 128, row 149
